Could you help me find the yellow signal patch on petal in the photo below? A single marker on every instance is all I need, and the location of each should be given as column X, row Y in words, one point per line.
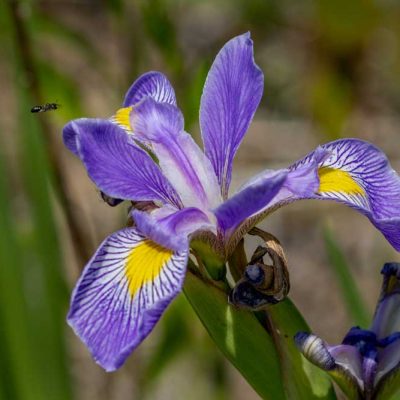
column 145, row 263
column 121, row 117
column 336, row 180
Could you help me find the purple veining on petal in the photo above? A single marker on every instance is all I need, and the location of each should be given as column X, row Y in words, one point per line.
column 181, row 160
column 366, row 165
column 152, row 84
column 117, row 166
column 103, row 313
column 231, row 95
column 369, row 167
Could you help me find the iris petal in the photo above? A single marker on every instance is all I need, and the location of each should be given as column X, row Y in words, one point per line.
column 343, row 362
column 181, row 160
column 152, row 84
column 117, row 166
column 358, row 174
column 349, row 171
column 250, row 200
column 122, row 293
column 386, row 323
column 170, row 227
column 389, row 360
column 231, row 95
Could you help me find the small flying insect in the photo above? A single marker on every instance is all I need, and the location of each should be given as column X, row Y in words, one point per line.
column 45, row 107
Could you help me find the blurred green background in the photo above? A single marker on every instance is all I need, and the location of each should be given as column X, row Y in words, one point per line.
column 332, row 69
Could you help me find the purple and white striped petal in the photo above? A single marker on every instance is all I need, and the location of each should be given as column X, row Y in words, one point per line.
column 181, row 160
column 117, row 166
column 231, row 95
column 172, row 228
column 122, row 293
column 350, row 171
column 359, row 175
column 151, row 84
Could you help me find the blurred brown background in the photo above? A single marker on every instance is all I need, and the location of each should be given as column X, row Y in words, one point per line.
column 332, row 69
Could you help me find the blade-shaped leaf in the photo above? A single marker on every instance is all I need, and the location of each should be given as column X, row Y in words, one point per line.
column 239, row 335
column 302, row 379
column 17, row 364
column 351, row 294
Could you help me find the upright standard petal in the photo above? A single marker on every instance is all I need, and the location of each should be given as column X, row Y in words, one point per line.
column 117, row 166
column 231, row 95
column 160, row 126
column 122, row 293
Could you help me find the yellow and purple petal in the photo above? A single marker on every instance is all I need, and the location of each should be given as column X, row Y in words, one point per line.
column 160, row 126
column 151, row 84
column 122, row 293
column 358, row 174
column 116, row 164
column 349, row 171
column 231, row 95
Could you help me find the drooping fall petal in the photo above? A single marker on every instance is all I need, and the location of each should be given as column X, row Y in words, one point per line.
column 122, row 293
column 118, row 167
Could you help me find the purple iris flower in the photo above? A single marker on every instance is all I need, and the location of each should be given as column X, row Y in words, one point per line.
column 180, row 194
column 366, row 364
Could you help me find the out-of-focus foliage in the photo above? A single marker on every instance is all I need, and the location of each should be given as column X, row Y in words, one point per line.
column 351, row 294
column 330, row 62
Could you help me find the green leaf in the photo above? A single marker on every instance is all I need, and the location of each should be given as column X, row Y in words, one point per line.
column 302, row 379
column 42, row 257
column 239, row 336
column 351, row 294
column 175, row 338
column 20, row 378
